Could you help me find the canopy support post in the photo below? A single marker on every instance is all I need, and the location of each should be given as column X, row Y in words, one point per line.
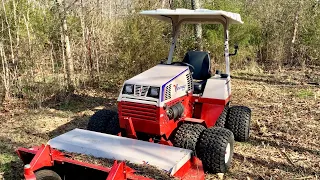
column 226, row 46
column 175, row 34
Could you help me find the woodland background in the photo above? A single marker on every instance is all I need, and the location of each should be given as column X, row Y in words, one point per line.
column 51, row 47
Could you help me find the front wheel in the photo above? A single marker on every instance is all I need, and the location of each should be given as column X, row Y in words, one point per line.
column 215, row 149
column 187, row 135
column 47, row 175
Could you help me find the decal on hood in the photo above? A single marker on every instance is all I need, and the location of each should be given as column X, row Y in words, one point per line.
column 179, row 88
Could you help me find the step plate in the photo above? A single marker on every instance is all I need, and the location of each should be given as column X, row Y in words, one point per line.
column 100, row 145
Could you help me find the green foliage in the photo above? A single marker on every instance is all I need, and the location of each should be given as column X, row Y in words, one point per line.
column 267, row 32
column 5, row 161
column 305, row 93
column 141, row 44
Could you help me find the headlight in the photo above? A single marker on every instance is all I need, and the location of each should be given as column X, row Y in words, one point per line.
column 127, row 89
column 154, row 92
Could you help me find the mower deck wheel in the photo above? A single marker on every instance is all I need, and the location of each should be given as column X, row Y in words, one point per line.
column 215, row 149
column 104, row 121
column 187, row 135
column 47, row 175
column 238, row 121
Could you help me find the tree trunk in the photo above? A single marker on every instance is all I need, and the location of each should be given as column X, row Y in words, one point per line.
column 171, row 4
column 97, row 49
column 70, row 69
column 197, row 28
column 52, row 58
column 16, row 23
column 110, row 10
column 9, row 32
column 5, row 73
column 295, row 32
column 26, row 21
column 84, row 39
column 63, row 56
column 69, row 60
column 89, row 48
column 163, row 3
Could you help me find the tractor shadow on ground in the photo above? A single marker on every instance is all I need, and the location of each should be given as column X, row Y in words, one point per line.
column 76, row 103
column 14, row 169
column 79, row 122
column 256, row 78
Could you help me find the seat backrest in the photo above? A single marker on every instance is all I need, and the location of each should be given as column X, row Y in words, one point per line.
column 201, row 62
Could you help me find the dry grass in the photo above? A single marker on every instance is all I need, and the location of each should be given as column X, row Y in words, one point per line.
column 285, row 127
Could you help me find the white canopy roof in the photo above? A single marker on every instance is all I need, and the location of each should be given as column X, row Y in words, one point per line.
column 194, row 16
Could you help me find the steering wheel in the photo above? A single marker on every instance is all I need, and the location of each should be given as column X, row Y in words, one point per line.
column 186, row 64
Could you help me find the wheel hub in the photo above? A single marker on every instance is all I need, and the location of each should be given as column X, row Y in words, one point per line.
column 227, row 154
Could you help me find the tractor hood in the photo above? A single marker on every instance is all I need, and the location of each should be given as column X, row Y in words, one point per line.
column 158, row 75
column 170, row 81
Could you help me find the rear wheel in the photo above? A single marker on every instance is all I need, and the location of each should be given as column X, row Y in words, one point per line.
column 47, row 175
column 215, row 149
column 104, row 121
column 223, row 117
column 187, row 135
column 238, row 121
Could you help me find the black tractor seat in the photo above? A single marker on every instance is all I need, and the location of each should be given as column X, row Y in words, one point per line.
column 200, row 60
column 198, row 86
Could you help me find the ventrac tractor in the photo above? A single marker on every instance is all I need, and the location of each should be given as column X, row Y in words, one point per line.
column 175, row 116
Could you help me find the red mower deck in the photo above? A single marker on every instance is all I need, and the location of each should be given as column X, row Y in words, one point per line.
column 175, row 161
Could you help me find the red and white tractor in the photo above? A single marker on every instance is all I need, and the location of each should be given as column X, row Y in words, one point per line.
column 175, row 116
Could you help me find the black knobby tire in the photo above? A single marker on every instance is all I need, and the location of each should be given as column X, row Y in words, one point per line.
column 223, row 117
column 47, row 175
column 238, row 121
column 212, row 149
column 104, row 121
column 187, row 135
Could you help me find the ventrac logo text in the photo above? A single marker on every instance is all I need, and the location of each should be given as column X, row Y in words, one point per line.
column 179, row 88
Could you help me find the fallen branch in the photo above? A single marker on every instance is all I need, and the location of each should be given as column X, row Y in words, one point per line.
column 287, row 157
column 301, row 178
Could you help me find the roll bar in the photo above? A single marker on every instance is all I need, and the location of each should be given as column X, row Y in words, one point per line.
column 204, row 16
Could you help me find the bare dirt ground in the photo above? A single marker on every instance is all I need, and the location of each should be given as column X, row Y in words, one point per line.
column 285, row 126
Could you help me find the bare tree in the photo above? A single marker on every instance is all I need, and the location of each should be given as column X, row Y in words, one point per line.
column 5, row 73
column 163, row 3
column 63, row 55
column 84, row 38
column 295, row 29
column 26, row 21
column 197, row 28
column 65, row 34
column 9, row 31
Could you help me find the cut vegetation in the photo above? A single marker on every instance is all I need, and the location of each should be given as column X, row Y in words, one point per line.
column 144, row 170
